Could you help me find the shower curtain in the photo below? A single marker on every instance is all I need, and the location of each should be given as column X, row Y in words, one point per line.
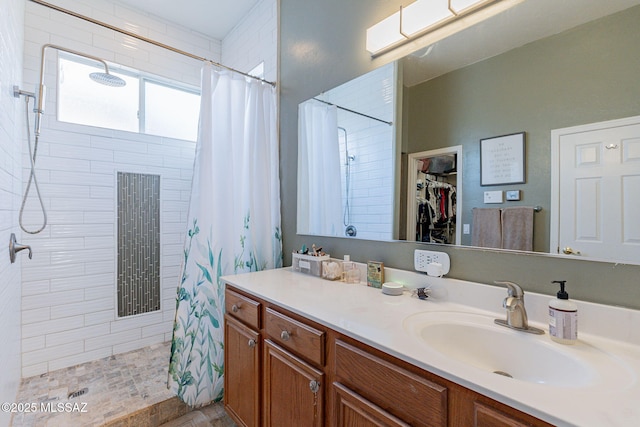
column 233, row 223
column 319, row 187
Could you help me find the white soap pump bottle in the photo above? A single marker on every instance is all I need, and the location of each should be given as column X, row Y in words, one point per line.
column 563, row 317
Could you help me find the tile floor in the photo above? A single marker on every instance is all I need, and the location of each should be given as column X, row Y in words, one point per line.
column 123, row 390
column 210, row 416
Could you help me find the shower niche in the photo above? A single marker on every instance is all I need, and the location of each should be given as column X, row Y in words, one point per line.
column 138, row 246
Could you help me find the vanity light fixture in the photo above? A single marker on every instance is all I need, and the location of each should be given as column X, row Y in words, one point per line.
column 417, row 19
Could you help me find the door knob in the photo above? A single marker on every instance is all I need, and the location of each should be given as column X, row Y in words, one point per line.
column 570, row 251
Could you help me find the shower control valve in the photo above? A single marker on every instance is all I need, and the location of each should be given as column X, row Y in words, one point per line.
column 15, row 247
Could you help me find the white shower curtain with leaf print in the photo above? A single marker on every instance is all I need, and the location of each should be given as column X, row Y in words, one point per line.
column 233, row 223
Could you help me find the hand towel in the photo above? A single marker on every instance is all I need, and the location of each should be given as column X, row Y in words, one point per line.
column 486, row 232
column 517, row 228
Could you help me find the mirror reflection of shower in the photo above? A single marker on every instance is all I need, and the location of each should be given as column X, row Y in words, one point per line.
column 366, row 111
column 350, row 230
column 364, row 166
column 104, row 78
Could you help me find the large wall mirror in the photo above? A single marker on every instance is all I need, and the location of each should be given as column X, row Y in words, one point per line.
column 516, row 74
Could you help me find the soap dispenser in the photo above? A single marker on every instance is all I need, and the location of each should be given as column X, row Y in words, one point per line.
column 563, row 317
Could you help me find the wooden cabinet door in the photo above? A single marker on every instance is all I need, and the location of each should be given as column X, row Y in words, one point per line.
column 293, row 390
column 242, row 373
column 352, row 410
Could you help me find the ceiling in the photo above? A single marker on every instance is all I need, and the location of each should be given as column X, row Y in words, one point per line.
column 214, row 18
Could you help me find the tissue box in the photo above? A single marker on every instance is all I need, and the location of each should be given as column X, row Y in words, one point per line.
column 308, row 264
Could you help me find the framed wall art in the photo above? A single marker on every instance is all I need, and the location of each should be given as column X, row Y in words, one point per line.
column 502, row 159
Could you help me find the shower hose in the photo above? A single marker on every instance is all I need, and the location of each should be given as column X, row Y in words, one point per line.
column 32, row 177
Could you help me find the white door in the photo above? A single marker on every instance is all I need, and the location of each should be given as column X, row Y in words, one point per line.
column 598, row 191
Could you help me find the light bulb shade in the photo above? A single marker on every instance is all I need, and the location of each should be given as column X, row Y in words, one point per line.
column 385, row 33
column 460, row 6
column 422, row 14
column 419, row 18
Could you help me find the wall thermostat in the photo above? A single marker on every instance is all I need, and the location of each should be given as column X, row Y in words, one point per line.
column 513, row 195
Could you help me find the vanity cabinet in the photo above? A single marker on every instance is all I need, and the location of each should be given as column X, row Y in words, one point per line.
column 282, row 369
column 399, row 392
column 293, row 372
column 242, row 359
column 274, row 366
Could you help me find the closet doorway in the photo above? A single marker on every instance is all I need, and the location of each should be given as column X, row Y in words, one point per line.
column 434, row 195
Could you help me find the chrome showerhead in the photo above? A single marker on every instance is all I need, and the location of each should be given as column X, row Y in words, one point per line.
column 107, row 79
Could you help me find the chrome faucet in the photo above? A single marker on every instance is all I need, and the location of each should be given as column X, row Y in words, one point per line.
column 516, row 313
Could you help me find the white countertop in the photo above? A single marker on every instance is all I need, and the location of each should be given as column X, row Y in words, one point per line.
column 369, row 316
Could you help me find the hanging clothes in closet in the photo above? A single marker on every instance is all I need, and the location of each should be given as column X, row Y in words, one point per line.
column 436, row 212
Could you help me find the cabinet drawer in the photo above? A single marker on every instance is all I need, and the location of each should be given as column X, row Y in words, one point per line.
column 354, row 410
column 417, row 401
column 242, row 308
column 302, row 339
column 485, row 416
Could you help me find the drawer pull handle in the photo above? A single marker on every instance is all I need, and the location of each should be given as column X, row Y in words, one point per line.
column 314, row 386
column 285, row 335
column 235, row 308
column 252, row 343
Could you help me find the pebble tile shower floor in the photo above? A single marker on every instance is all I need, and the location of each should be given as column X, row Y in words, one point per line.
column 123, row 390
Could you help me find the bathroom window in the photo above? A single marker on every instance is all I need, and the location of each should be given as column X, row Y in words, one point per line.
column 170, row 111
column 146, row 104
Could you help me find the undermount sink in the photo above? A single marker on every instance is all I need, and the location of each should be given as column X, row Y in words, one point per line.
column 475, row 340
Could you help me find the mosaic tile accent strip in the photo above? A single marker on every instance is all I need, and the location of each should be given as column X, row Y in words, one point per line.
column 138, row 243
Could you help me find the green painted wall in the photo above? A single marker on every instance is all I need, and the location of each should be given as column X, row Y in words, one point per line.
column 322, row 45
column 553, row 83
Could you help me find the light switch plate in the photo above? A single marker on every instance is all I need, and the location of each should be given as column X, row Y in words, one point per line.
column 493, row 197
column 513, row 195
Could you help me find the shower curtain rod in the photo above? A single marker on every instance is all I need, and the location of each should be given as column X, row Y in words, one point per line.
column 145, row 39
column 355, row 112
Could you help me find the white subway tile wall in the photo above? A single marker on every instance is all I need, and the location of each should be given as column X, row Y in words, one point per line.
column 69, row 307
column 254, row 40
column 12, row 111
column 371, row 142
